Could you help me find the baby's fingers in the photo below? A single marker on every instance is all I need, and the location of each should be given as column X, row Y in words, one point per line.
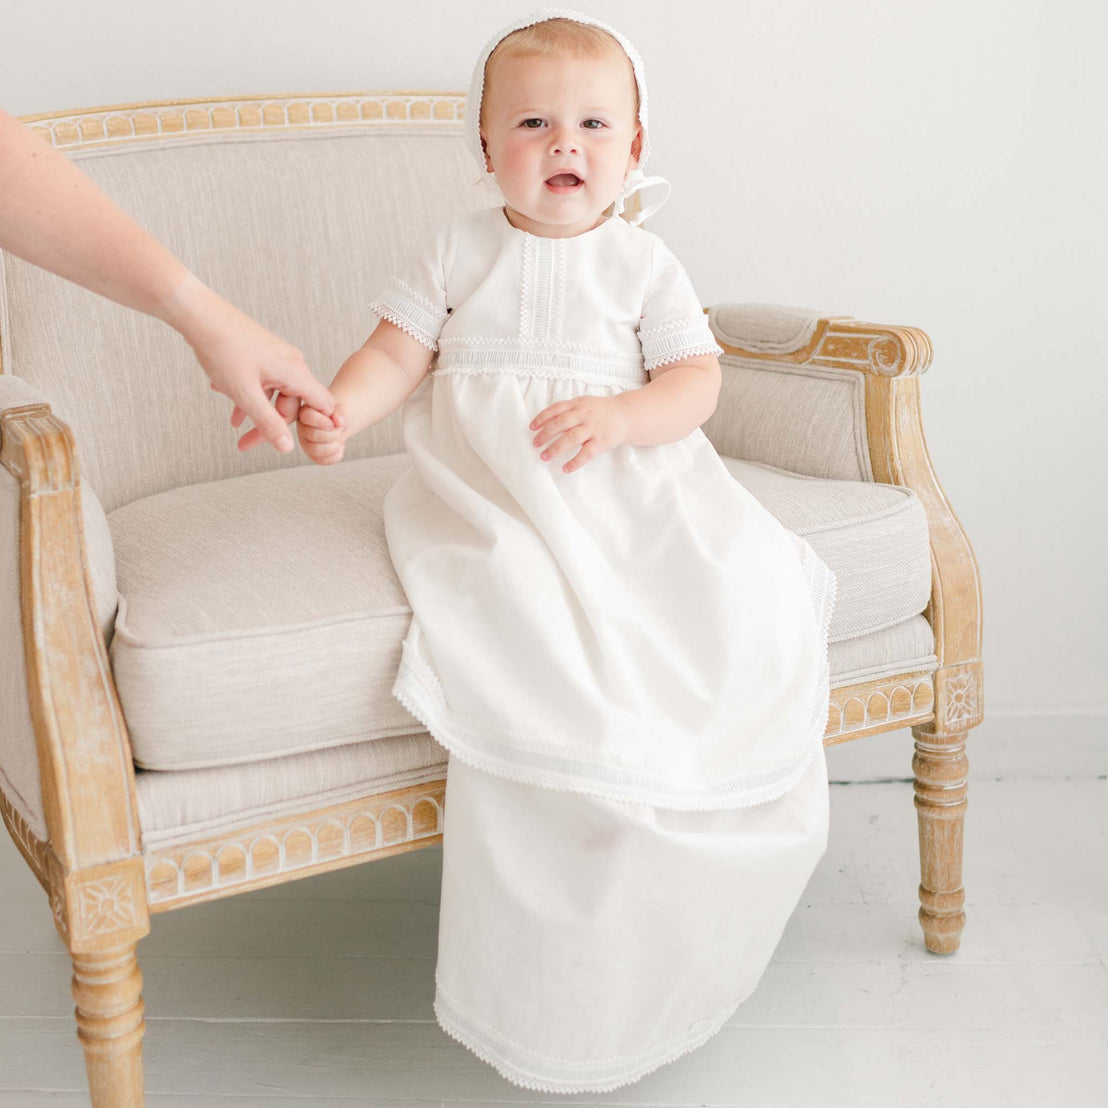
column 319, row 434
column 326, row 454
column 313, row 417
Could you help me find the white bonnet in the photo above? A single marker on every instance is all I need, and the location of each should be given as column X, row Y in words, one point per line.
column 635, row 178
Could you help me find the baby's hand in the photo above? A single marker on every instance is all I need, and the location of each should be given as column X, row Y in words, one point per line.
column 323, row 439
column 597, row 423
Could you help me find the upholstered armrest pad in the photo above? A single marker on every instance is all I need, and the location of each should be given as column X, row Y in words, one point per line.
column 765, row 328
column 777, row 408
column 19, row 776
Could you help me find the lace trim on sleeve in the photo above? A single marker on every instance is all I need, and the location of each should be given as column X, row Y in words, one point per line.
column 680, row 338
column 412, row 313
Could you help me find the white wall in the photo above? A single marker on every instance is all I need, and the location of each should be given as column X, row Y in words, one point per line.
column 938, row 163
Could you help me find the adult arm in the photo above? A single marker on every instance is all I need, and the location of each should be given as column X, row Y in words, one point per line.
column 53, row 216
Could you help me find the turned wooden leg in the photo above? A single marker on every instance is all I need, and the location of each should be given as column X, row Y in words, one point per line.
column 940, row 766
column 107, row 986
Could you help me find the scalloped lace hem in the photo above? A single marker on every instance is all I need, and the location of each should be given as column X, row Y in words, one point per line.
column 562, row 775
column 541, row 1073
column 419, row 691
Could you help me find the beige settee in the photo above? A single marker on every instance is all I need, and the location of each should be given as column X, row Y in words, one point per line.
column 198, row 644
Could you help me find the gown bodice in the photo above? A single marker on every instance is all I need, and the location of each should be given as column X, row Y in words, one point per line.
column 610, row 304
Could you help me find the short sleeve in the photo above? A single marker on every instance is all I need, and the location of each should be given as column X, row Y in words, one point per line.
column 415, row 297
column 673, row 324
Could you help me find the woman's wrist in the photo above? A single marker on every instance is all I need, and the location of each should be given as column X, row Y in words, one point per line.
column 187, row 306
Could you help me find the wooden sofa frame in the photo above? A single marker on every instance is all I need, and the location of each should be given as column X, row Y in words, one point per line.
column 103, row 886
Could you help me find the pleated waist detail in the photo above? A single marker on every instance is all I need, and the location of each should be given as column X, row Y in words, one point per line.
column 461, row 355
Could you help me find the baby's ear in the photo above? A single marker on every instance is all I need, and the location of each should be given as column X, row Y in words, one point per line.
column 636, row 147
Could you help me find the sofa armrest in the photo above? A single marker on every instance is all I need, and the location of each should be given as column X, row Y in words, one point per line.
column 92, row 850
column 797, row 385
column 852, row 388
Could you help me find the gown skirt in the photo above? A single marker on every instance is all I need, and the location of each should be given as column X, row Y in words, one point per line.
column 628, row 666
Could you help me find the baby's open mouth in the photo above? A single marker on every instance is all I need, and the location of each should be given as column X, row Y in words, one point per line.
column 564, row 182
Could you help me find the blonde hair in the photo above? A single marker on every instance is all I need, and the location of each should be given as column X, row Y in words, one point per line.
column 554, row 37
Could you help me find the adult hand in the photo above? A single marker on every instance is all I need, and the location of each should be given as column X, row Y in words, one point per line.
column 53, row 216
column 247, row 363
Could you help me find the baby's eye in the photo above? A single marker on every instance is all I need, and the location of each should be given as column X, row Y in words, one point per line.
column 535, row 119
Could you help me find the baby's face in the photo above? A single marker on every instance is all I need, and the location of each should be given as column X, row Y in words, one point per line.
column 545, row 115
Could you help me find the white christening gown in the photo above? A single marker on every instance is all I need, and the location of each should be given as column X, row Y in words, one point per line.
column 627, row 664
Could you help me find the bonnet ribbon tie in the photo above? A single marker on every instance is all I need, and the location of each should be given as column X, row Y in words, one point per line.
column 634, row 181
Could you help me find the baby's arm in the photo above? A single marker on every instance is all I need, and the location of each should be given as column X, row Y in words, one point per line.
column 678, row 399
column 680, row 352
column 378, row 377
column 371, row 384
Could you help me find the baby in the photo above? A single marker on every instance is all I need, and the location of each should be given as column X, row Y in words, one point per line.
column 560, row 131
column 627, row 664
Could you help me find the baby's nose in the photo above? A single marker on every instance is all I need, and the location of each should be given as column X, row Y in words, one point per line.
column 560, row 142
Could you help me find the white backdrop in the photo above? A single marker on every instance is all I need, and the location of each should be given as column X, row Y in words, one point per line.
column 938, row 163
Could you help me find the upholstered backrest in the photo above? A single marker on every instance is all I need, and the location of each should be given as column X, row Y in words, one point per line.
column 296, row 211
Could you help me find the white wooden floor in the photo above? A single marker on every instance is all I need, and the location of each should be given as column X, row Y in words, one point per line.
column 319, row 992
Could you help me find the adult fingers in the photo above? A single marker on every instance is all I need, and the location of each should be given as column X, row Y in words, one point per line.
column 269, row 421
column 287, row 406
column 250, row 439
column 300, row 381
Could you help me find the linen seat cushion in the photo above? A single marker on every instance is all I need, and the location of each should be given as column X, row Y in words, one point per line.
column 260, row 616
column 874, row 536
column 191, row 804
